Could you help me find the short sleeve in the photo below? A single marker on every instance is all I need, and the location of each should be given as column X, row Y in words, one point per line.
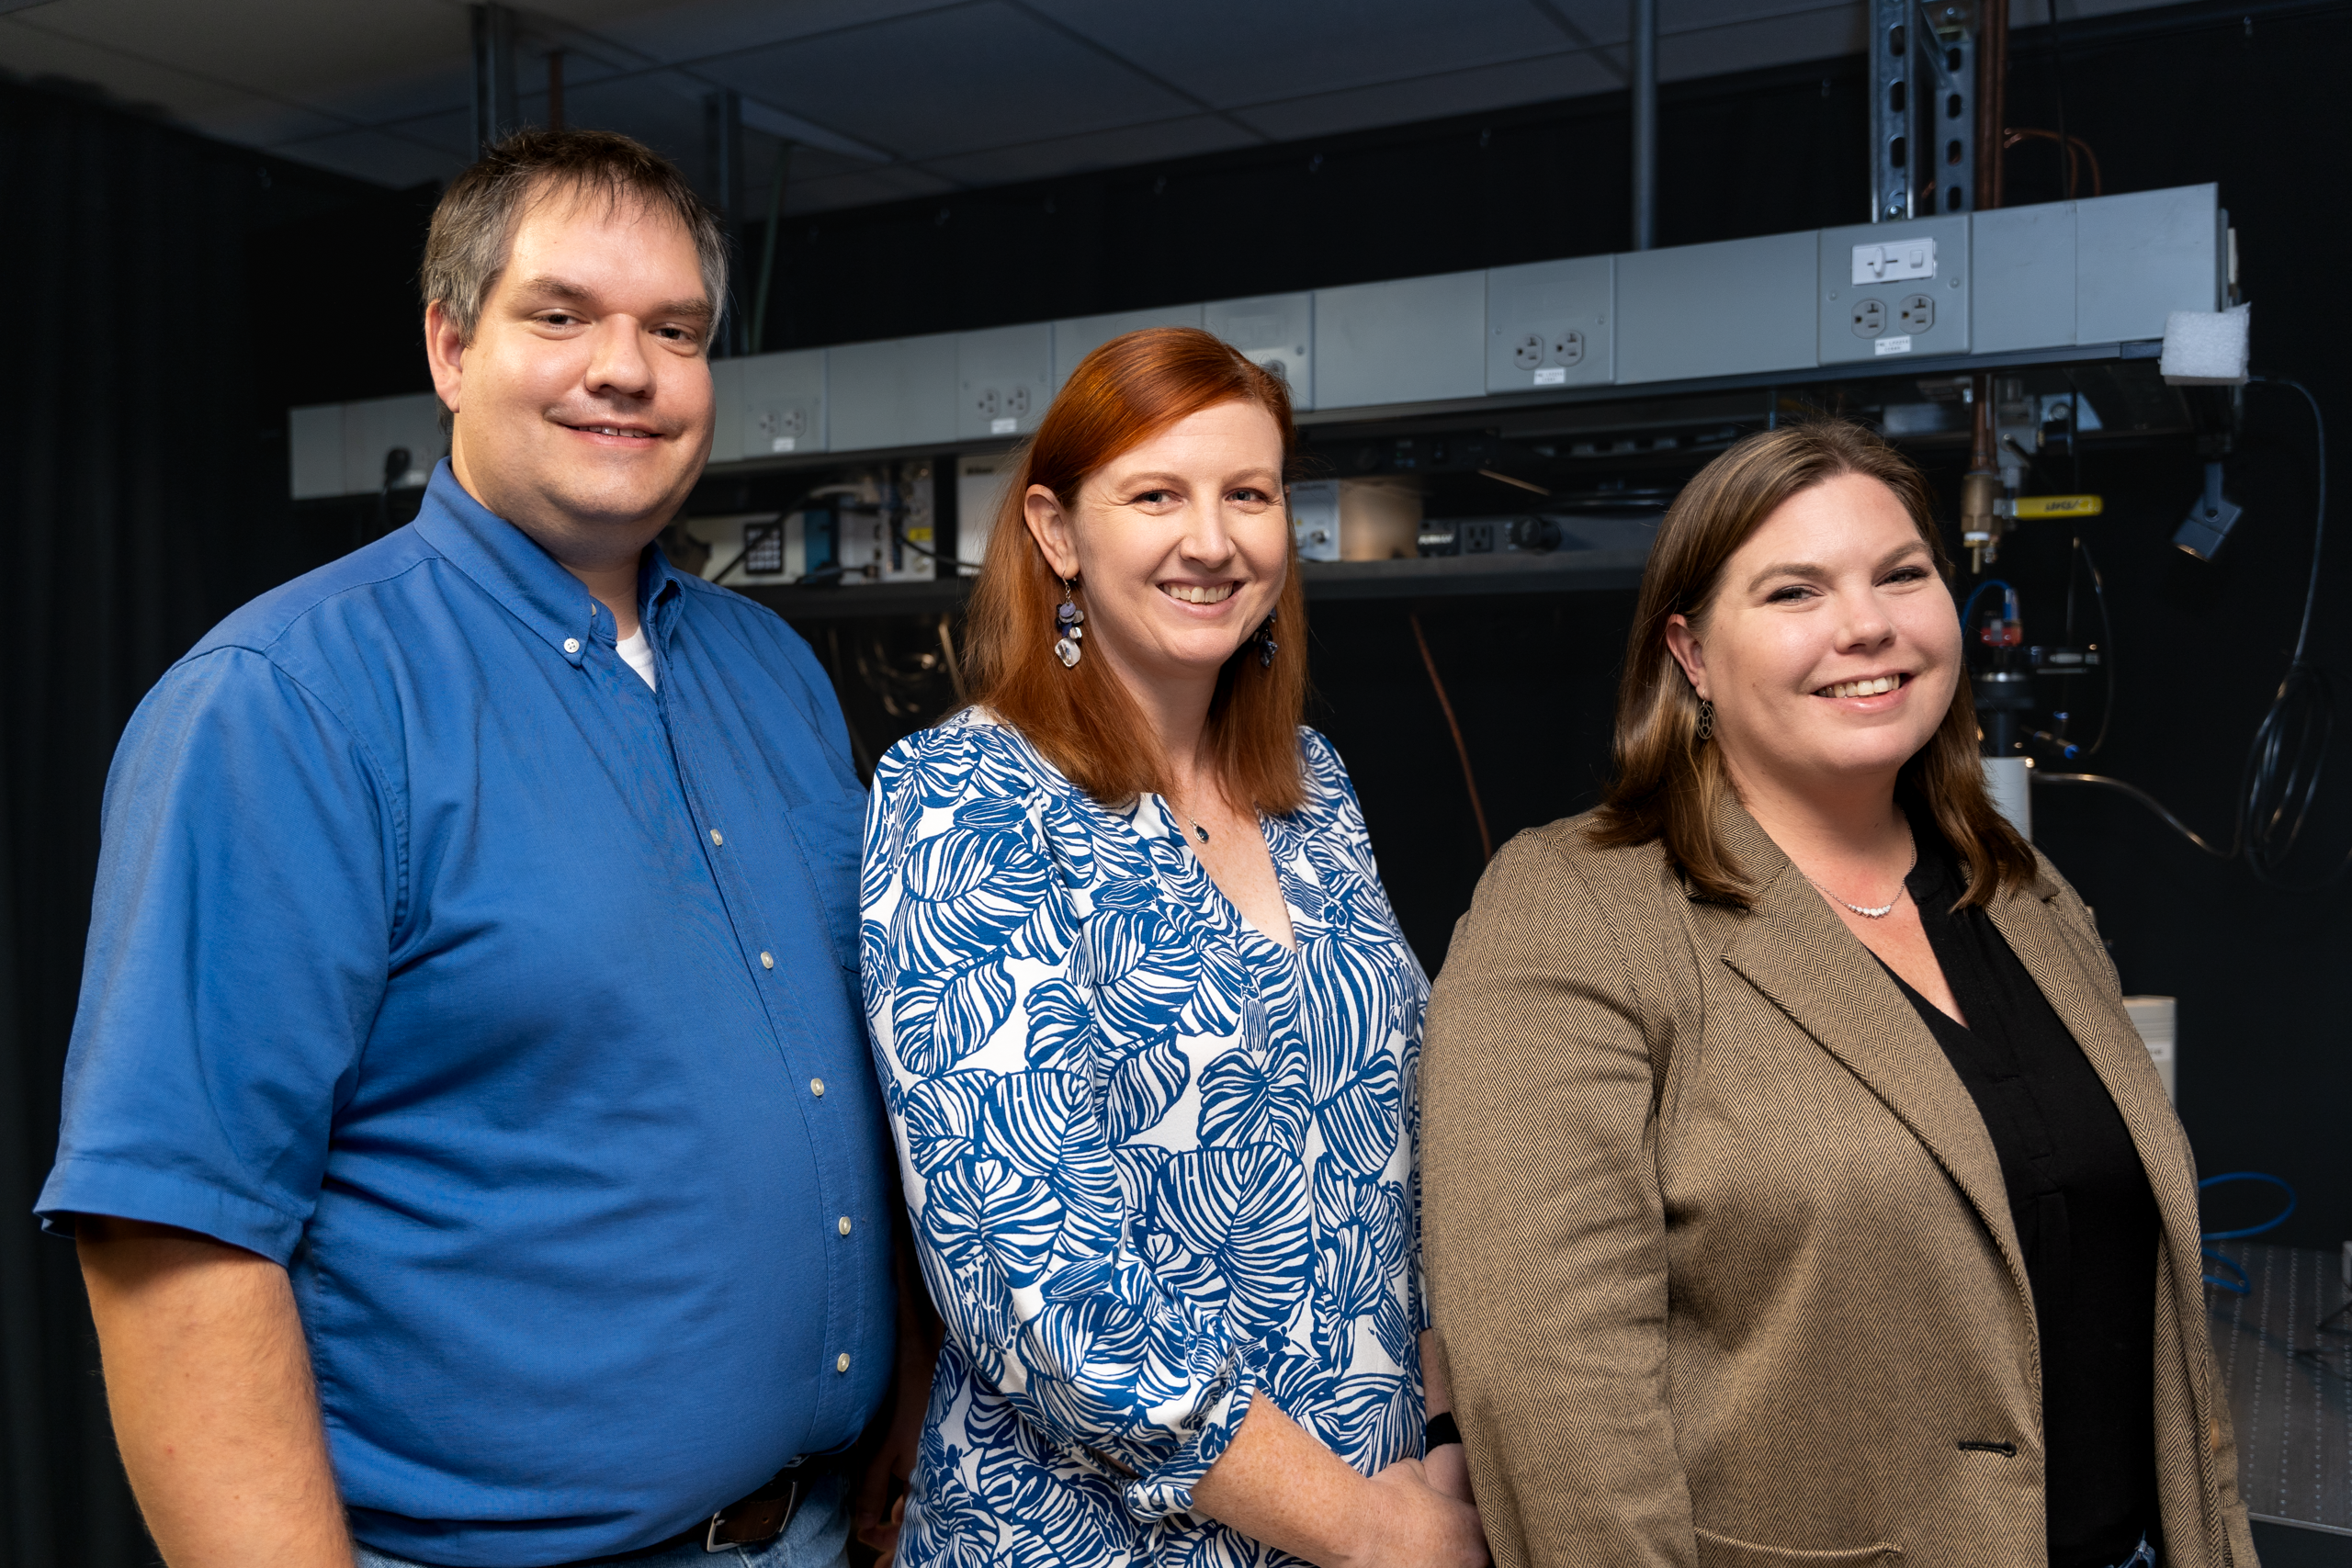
column 239, row 938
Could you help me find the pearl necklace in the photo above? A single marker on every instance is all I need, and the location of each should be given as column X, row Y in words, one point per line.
column 1883, row 910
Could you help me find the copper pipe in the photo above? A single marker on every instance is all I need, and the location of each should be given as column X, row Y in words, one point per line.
column 1992, row 98
column 1469, row 780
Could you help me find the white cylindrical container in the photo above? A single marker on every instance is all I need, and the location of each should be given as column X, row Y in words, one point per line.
column 2154, row 1018
column 2011, row 781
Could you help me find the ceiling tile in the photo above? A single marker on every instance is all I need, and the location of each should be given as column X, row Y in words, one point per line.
column 388, row 160
column 1180, row 138
column 1818, row 33
column 700, row 29
column 1432, row 97
column 1234, row 52
column 978, row 75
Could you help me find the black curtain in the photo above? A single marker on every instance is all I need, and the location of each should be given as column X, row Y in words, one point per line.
column 142, row 494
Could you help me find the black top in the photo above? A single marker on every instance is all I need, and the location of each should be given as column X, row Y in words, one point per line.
column 2085, row 1219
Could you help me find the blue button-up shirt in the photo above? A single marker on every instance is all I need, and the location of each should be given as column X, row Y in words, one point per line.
column 512, row 1006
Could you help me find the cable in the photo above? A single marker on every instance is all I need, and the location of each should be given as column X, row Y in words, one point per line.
column 2242, row 1285
column 1469, row 780
column 2278, row 786
column 2008, row 594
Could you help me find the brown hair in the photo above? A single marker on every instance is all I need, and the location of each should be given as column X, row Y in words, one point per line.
column 1668, row 781
column 473, row 227
column 1082, row 718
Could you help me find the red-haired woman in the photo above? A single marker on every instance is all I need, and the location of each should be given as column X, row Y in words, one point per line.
column 1147, row 1029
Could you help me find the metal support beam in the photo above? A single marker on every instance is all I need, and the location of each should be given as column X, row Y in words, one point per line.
column 1644, row 80
column 1924, row 87
column 495, row 114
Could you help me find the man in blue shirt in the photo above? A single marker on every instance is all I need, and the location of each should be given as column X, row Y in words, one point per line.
column 469, row 1131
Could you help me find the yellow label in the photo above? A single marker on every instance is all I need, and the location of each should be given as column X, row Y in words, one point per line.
column 2059, row 506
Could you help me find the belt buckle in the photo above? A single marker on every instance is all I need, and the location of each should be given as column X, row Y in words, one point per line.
column 711, row 1544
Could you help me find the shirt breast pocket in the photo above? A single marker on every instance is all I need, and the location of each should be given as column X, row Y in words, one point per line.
column 829, row 833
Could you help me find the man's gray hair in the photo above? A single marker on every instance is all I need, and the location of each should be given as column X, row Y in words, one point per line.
column 474, row 228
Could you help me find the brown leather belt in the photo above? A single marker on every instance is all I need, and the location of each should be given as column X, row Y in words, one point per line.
column 753, row 1520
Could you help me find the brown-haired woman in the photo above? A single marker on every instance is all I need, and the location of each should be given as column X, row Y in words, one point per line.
column 1797, row 1188
column 1147, row 1028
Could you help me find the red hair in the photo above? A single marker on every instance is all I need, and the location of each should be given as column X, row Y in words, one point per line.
column 1082, row 718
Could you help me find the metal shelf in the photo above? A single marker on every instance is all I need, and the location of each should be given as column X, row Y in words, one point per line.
column 1560, row 571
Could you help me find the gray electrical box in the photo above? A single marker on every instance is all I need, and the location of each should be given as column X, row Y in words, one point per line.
column 2139, row 257
column 899, row 393
column 779, row 404
column 1075, row 337
column 2023, row 293
column 1277, row 331
column 1734, row 308
column 1409, row 341
column 1895, row 288
column 342, row 448
column 1004, row 378
column 1550, row 324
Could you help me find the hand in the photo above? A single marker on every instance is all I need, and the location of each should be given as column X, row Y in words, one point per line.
column 1414, row 1525
column 1448, row 1470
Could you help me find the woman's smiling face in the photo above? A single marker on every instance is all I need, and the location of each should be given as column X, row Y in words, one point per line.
column 1180, row 544
column 1832, row 647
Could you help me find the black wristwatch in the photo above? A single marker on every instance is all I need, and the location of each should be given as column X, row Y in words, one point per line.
column 1438, row 1431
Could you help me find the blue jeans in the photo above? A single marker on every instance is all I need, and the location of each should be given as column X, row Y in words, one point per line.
column 818, row 1536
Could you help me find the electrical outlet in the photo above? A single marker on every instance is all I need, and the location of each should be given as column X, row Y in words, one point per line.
column 1528, row 352
column 1917, row 312
column 1567, row 348
column 1870, row 317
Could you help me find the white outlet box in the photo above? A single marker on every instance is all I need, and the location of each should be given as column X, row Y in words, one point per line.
column 1893, row 263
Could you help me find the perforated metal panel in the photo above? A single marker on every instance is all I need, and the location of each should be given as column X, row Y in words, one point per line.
column 1410, row 340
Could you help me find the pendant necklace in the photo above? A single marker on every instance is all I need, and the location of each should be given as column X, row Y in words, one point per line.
column 1883, row 910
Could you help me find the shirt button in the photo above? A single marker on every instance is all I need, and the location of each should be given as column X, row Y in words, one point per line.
column 844, row 1224
column 817, row 1088
column 716, row 837
column 767, row 960
column 840, row 1363
column 572, row 645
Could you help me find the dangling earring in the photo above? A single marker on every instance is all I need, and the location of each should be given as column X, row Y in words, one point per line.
column 1266, row 643
column 1068, row 628
column 1706, row 719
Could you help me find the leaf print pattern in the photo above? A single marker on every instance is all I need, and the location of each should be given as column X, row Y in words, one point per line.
column 1157, row 1164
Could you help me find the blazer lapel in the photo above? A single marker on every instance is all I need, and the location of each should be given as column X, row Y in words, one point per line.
column 2075, row 979
column 1801, row 956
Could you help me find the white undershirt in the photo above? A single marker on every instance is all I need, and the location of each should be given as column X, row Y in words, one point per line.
column 639, row 654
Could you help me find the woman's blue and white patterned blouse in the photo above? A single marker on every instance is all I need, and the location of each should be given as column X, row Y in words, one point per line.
column 1158, row 1162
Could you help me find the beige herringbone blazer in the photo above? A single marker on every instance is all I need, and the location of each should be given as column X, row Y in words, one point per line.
column 1765, row 1306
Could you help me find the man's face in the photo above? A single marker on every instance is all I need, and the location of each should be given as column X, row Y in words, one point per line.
column 583, row 402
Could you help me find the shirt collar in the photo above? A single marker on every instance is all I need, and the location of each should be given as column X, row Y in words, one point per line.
column 508, row 564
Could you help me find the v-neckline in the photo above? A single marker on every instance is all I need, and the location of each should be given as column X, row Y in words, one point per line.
column 1289, row 949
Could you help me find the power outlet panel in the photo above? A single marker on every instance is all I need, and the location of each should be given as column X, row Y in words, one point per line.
column 1004, row 380
column 1890, row 290
column 1274, row 331
column 783, row 403
column 1551, row 325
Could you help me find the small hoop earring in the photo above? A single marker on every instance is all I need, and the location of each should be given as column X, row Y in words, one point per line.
column 1070, row 627
column 1706, row 719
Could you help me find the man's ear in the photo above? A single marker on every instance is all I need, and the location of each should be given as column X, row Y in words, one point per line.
column 1049, row 525
column 444, row 353
column 1689, row 652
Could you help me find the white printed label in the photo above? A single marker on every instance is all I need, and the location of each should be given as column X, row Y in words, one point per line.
column 1551, row 375
column 783, row 444
column 1003, row 426
column 1893, row 345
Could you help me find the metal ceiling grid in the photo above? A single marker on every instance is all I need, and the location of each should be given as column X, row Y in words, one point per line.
column 889, row 99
